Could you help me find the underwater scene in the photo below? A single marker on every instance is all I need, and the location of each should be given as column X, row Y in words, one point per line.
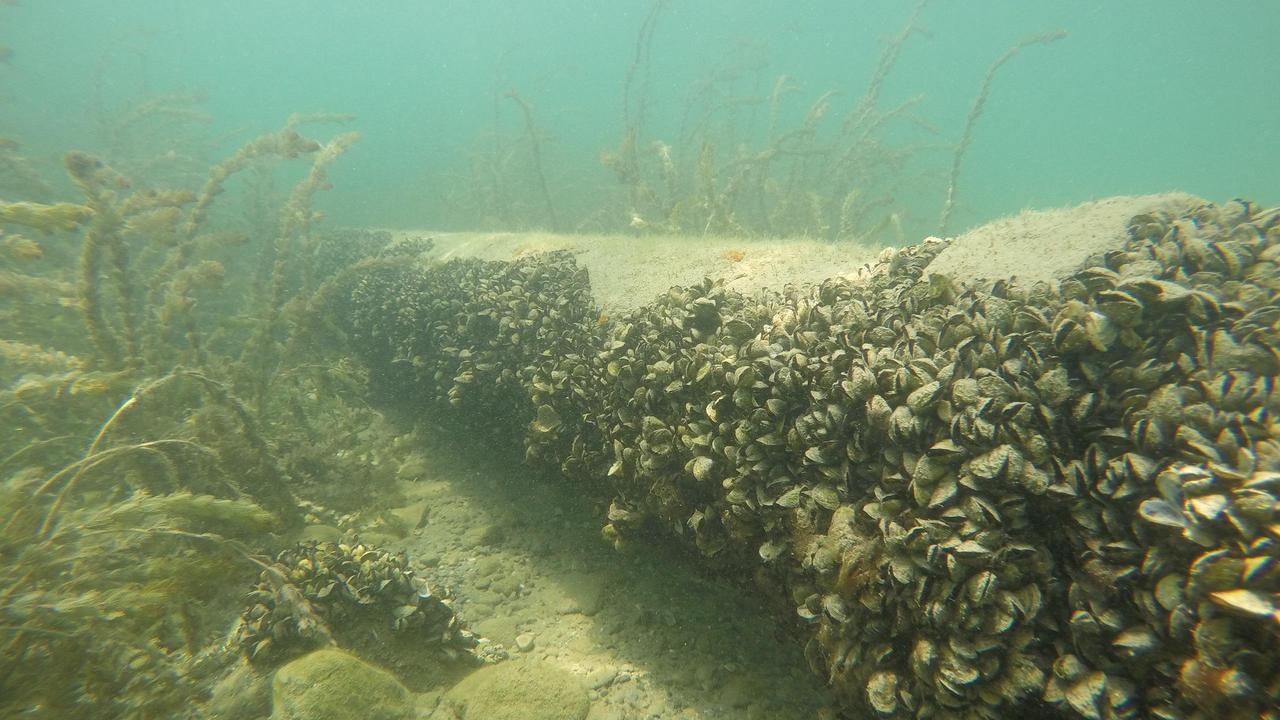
column 639, row 360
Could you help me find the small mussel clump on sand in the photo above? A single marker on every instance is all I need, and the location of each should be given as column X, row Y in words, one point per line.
column 972, row 501
column 317, row 594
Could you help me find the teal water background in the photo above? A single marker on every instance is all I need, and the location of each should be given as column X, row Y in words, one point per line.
column 1142, row 96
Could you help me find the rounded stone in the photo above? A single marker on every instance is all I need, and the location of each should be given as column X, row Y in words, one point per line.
column 333, row 685
column 519, row 690
column 524, row 642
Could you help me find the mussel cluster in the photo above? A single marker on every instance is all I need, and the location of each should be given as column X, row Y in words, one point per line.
column 974, row 501
column 317, row 593
column 466, row 335
column 337, row 249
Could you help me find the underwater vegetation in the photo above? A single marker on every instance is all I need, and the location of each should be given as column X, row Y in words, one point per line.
column 154, row 381
column 734, row 166
column 967, row 501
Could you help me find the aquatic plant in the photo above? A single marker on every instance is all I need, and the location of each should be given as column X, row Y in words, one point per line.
column 505, row 185
column 535, row 150
column 108, row 611
column 735, row 166
column 975, row 112
column 804, row 181
column 46, row 219
column 155, row 140
column 125, row 536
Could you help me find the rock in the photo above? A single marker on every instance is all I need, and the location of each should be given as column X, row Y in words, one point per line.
column 519, row 690
column 483, row 534
column 497, row 627
column 508, row 586
column 320, row 533
column 410, row 516
column 491, row 567
column 632, row 696
column 333, row 685
column 601, row 677
column 524, row 642
column 584, row 593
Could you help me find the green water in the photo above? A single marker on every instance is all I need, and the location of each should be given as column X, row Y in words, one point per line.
column 1140, row 97
column 240, row 420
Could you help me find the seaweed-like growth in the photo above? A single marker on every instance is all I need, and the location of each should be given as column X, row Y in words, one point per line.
column 30, row 286
column 120, row 540
column 297, row 120
column 130, row 233
column 109, row 617
column 505, row 185
column 34, row 300
column 641, row 64
column 535, row 152
column 123, row 222
column 344, row 256
column 95, row 180
column 34, row 356
column 286, row 144
column 19, row 247
column 116, row 563
column 58, row 217
column 297, row 217
column 979, row 104
column 167, row 453
column 802, row 181
column 128, row 135
column 335, row 250
column 169, row 291
column 179, row 305
column 833, row 175
column 625, row 163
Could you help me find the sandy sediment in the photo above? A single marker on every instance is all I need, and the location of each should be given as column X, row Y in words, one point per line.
column 1048, row 245
column 629, row 271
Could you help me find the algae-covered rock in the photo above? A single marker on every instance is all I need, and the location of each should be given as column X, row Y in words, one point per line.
column 320, row 533
column 519, row 691
column 332, row 685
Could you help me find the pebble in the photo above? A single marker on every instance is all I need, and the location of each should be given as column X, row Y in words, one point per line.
column 524, row 642
column 600, row 678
